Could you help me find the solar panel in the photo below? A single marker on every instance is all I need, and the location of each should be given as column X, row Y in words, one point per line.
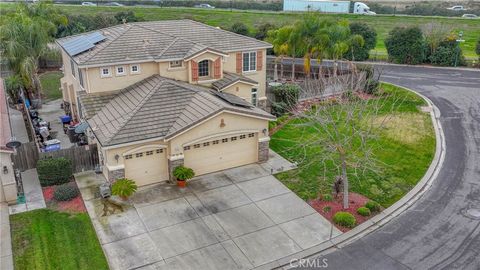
column 82, row 43
column 232, row 99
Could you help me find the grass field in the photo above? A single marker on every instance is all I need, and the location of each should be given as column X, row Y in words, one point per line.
column 404, row 150
column 51, row 85
column 50, row 240
column 225, row 18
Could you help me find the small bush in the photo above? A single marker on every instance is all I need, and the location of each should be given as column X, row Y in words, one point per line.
column 373, row 206
column 239, row 28
column 344, row 219
column 363, row 211
column 183, row 173
column 124, row 187
column 327, row 197
column 327, row 209
column 65, row 192
column 372, row 86
column 54, row 171
column 406, row 45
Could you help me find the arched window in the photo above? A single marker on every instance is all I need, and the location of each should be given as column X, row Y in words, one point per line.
column 203, row 68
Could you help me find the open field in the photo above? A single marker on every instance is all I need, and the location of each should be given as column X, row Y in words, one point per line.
column 404, row 150
column 46, row 239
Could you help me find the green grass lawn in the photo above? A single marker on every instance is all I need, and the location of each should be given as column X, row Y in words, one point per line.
column 46, row 239
column 404, row 149
column 225, row 18
column 51, row 84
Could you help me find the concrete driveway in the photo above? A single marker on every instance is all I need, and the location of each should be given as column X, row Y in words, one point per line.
column 236, row 219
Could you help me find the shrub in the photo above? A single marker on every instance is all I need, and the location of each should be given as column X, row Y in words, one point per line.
column 124, row 187
column 327, row 209
column 287, row 94
column 448, row 53
column 183, row 173
column 477, row 49
column 327, row 197
column 239, row 28
column 363, row 211
column 344, row 219
column 54, row 171
column 361, row 53
column 406, row 45
column 65, row 192
column 373, row 206
column 262, row 30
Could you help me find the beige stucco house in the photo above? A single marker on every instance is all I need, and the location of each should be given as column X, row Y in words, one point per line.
column 160, row 94
column 8, row 185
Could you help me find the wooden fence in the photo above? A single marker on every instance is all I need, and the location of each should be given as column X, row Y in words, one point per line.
column 83, row 158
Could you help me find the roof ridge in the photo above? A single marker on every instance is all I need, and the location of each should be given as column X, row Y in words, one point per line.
column 139, row 105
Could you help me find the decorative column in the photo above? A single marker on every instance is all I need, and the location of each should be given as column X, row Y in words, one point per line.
column 263, row 148
column 173, row 162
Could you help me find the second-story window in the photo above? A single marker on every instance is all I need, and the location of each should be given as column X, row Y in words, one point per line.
column 254, row 96
column 176, row 64
column 72, row 65
column 120, row 70
column 80, row 77
column 250, row 61
column 105, row 72
column 135, row 69
column 203, row 68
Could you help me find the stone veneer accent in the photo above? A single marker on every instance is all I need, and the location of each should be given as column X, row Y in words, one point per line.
column 116, row 174
column 172, row 164
column 263, row 148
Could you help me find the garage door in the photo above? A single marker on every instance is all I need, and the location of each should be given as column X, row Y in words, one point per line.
column 146, row 167
column 222, row 153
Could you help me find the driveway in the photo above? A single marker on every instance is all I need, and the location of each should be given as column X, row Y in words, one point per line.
column 240, row 218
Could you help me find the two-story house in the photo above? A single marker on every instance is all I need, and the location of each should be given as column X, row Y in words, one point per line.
column 160, row 94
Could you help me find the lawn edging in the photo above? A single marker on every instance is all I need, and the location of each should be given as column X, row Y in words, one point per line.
column 386, row 215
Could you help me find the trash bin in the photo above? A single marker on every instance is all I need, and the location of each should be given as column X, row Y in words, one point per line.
column 72, row 136
column 52, row 145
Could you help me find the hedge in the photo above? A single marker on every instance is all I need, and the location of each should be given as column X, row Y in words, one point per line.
column 54, row 171
column 65, row 192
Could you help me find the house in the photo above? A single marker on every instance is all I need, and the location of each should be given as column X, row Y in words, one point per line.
column 157, row 95
column 8, row 186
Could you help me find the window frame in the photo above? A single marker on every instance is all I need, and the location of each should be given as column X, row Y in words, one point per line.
column 80, row 78
column 105, row 75
column 254, row 96
column 176, row 64
column 135, row 72
column 120, row 73
column 207, row 67
column 251, row 59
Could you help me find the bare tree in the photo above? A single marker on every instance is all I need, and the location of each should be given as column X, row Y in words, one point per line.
column 345, row 123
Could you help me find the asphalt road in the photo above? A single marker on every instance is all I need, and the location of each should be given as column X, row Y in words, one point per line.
column 435, row 233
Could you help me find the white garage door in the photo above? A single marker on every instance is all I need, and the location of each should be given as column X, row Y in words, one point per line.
column 221, row 153
column 147, row 167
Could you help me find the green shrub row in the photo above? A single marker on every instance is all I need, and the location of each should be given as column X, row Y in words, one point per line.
column 54, row 171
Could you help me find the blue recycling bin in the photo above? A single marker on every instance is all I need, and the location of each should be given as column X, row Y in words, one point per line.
column 65, row 119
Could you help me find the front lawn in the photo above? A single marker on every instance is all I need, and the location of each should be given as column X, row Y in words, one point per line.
column 51, row 84
column 46, row 239
column 404, row 149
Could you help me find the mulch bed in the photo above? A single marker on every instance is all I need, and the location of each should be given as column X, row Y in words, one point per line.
column 74, row 205
column 336, row 205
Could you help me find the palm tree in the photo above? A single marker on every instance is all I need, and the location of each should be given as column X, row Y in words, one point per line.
column 279, row 38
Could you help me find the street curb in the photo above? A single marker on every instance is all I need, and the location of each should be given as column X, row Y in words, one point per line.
column 386, row 215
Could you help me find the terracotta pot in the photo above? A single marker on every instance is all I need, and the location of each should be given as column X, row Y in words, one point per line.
column 181, row 183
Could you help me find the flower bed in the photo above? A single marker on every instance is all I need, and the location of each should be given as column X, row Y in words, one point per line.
column 336, row 205
column 74, row 205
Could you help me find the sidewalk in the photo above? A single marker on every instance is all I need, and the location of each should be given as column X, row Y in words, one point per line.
column 18, row 126
column 33, row 193
column 6, row 257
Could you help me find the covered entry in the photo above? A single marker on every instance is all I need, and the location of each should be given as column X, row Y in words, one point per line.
column 146, row 166
column 221, row 153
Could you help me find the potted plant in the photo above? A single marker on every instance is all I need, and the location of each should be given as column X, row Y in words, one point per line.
column 182, row 174
column 124, row 188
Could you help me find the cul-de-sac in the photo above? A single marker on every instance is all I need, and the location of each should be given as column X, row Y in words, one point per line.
column 203, row 135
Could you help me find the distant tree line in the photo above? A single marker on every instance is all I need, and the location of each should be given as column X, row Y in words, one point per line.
column 422, row 9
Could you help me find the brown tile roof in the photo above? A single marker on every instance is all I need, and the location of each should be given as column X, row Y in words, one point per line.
column 158, row 108
column 229, row 79
column 161, row 40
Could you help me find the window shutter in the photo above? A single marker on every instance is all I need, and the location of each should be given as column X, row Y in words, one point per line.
column 259, row 60
column 217, row 73
column 194, row 71
column 239, row 62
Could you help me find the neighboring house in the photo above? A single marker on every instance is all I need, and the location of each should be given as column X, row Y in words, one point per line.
column 160, row 94
column 8, row 186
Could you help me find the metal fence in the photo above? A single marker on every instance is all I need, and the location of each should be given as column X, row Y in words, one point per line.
column 83, row 158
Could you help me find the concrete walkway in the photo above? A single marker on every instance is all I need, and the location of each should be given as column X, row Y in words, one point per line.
column 33, row 193
column 51, row 112
column 18, row 126
column 6, row 257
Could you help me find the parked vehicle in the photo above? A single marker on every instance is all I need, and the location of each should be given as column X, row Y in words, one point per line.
column 114, row 4
column 326, row 6
column 204, row 6
column 457, row 8
column 89, row 4
column 470, row 16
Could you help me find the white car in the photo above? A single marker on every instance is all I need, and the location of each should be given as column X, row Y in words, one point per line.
column 470, row 16
column 204, row 6
column 89, row 4
column 457, row 8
